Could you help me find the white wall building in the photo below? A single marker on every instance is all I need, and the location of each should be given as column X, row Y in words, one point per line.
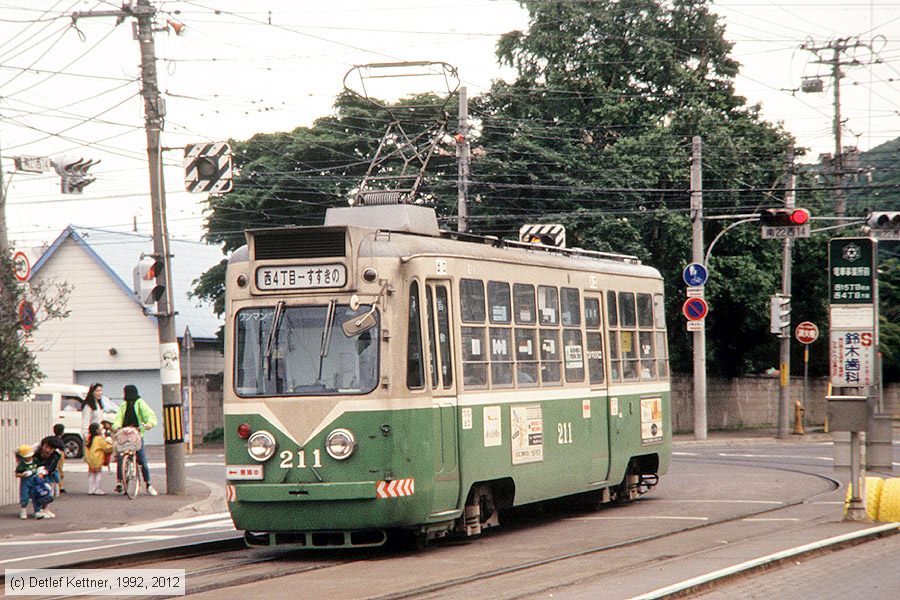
column 107, row 336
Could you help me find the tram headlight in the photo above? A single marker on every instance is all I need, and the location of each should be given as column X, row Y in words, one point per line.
column 261, row 446
column 340, row 444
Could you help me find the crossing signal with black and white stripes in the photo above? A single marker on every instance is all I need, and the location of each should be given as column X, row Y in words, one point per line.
column 550, row 234
column 207, row 168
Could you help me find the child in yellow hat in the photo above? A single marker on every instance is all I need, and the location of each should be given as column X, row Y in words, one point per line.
column 32, row 485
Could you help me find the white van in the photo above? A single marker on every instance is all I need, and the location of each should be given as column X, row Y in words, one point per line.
column 66, row 401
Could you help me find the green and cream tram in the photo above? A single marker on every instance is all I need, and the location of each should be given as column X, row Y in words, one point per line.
column 385, row 375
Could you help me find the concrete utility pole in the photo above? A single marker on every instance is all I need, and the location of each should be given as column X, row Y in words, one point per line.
column 4, row 237
column 697, row 257
column 462, row 153
column 837, row 47
column 154, row 116
column 784, row 389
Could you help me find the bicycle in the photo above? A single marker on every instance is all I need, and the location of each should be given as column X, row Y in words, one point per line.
column 128, row 442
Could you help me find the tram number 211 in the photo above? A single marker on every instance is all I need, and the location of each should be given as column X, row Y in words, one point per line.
column 287, row 459
column 564, row 430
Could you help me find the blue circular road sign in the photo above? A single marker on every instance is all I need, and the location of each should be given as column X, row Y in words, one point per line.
column 695, row 274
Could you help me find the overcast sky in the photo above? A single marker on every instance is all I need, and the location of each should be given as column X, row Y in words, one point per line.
column 272, row 65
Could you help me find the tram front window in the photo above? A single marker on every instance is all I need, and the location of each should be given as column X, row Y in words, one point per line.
column 310, row 354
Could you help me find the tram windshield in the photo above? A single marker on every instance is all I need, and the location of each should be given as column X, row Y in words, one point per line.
column 310, row 352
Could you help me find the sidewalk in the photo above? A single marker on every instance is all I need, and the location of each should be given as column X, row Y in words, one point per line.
column 76, row 510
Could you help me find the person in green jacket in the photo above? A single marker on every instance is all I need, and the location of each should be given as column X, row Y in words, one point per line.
column 135, row 412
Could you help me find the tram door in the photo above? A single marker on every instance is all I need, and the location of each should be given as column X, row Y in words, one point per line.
column 443, row 386
column 598, row 379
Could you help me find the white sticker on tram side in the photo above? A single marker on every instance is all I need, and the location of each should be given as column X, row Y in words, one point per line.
column 526, row 424
column 613, row 407
column 493, row 432
column 585, row 409
column 467, row 418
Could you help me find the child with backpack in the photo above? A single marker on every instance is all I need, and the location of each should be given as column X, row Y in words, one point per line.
column 97, row 448
column 32, row 484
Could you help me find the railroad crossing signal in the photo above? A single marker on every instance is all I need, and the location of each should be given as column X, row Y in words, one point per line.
column 780, row 315
column 551, row 234
column 783, row 223
column 207, row 168
column 884, row 225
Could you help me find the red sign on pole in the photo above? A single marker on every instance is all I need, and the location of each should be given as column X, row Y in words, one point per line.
column 694, row 309
column 806, row 332
column 22, row 266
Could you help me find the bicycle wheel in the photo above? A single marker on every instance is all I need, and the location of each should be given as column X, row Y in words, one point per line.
column 129, row 475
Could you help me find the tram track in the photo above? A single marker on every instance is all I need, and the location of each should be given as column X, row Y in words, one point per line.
column 235, row 568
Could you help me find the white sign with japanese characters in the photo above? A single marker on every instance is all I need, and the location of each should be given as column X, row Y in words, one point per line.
column 852, row 357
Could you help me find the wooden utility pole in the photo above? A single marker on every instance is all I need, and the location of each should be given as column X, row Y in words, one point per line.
column 154, row 118
column 462, row 153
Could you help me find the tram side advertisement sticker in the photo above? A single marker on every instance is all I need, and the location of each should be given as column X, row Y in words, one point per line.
column 527, row 434
column 651, row 421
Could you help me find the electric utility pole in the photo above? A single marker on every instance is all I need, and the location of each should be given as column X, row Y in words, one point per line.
column 697, row 256
column 462, row 153
column 154, row 118
column 4, row 237
column 784, row 389
column 838, row 48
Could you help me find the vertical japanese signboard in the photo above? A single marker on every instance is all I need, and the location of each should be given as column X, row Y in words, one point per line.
column 853, row 294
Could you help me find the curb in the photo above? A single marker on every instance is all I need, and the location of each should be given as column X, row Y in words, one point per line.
column 703, row 581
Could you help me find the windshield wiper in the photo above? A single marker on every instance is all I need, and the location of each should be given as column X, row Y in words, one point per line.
column 273, row 332
column 326, row 335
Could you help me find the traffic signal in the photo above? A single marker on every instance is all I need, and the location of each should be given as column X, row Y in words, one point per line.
column 73, row 173
column 207, row 168
column 884, row 224
column 784, row 217
column 145, row 288
column 780, row 315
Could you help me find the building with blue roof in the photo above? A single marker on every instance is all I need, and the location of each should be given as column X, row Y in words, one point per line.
column 109, row 338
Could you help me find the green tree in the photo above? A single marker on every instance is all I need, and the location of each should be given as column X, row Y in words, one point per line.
column 889, row 318
column 595, row 132
column 19, row 372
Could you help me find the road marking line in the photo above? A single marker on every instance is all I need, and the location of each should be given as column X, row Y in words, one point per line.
column 41, row 542
column 728, row 455
column 695, row 501
column 638, row 518
column 164, row 523
column 63, row 552
column 762, row 519
column 685, row 454
column 220, row 523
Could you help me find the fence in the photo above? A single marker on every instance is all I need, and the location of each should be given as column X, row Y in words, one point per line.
column 20, row 423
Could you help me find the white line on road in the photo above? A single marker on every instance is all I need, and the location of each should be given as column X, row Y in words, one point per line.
column 639, row 518
column 685, row 454
column 165, row 523
column 697, row 501
column 728, row 455
column 73, row 551
column 225, row 523
column 765, row 519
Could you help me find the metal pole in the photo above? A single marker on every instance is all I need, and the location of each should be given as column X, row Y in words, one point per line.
column 154, row 114
column 462, row 153
column 697, row 257
column 784, row 390
column 856, row 510
column 190, row 382
column 805, row 384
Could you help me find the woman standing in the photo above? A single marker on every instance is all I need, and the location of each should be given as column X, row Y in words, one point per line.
column 91, row 408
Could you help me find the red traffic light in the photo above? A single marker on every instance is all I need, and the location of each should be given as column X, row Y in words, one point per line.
column 784, row 217
column 799, row 216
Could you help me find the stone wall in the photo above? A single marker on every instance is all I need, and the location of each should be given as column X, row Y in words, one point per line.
column 207, row 404
column 753, row 402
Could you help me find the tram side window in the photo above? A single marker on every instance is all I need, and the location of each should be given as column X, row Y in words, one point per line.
column 628, row 341
column 548, row 305
column 659, row 321
column 574, row 355
column 593, row 340
column 501, row 357
column 415, row 365
column 443, row 320
column 571, row 307
column 432, row 339
column 550, row 359
column 523, row 296
column 498, row 300
column 526, row 359
column 645, row 338
column 471, row 300
column 474, row 357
